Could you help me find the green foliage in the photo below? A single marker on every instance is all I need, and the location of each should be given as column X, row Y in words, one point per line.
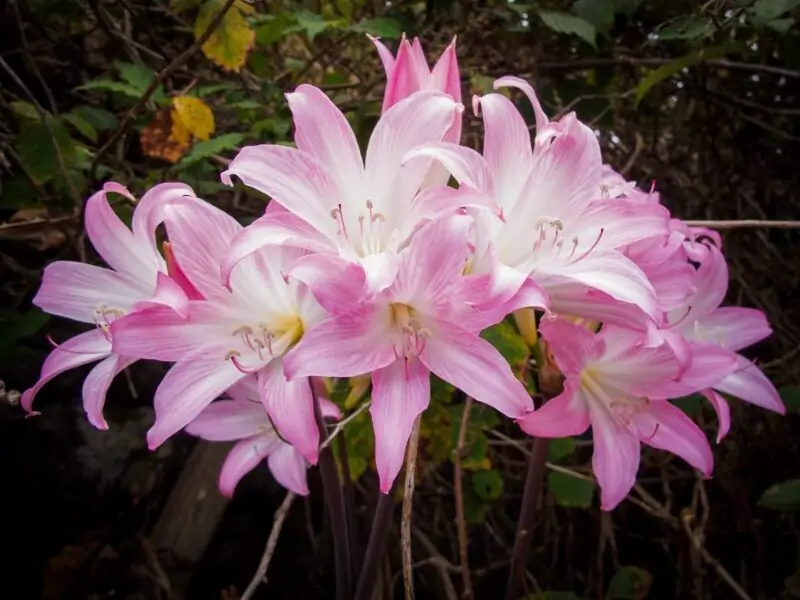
column 16, row 328
column 39, row 145
column 691, row 27
column 25, row 111
column 569, row 24
column 630, row 583
column 790, row 395
column 383, row 27
column 570, row 491
column 201, row 150
column 692, row 405
column 560, row 448
column 488, row 484
column 508, row 342
column 782, row 496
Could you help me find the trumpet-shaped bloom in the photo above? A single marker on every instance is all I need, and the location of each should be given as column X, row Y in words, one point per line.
column 424, row 322
column 617, row 385
column 138, row 278
column 558, row 231
column 408, row 72
column 354, row 214
column 242, row 418
column 232, row 333
column 724, row 330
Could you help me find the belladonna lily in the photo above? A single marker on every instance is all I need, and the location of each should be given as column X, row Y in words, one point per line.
column 725, row 330
column 241, row 417
column 232, row 333
column 353, row 214
column 138, row 278
column 616, row 385
column 408, row 72
column 557, row 232
column 424, row 322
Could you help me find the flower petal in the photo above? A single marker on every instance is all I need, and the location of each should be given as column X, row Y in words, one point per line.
column 322, row 131
column 168, row 293
column 96, row 384
column 82, row 349
column 467, row 166
column 336, row 283
column 276, row 228
column 291, row 409
column 572, row 346
column 188, row 387
column 76, row 290
column 710, row 364
column 734, row 327
column 521, row 84
column 666, row 427
column 289, row 469
column 344, row 346
column 150, row 210
column 748, row 383
column 723, row 410
column 445, row 74
column 116, row 243
column 566, row 414
column 476, row 367
column 228, row 420
column 243, row 458
column 293, row 179
column 400, row 392
column 402, row 79
column 615, row 460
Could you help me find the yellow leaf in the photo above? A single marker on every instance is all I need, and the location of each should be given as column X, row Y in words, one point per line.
column 196, row 115
column 165, row 137
column 233, row 38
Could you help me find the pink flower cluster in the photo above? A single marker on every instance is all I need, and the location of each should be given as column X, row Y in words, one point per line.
column 374, row 265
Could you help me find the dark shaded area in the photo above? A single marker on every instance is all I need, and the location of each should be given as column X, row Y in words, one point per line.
column 719, row 139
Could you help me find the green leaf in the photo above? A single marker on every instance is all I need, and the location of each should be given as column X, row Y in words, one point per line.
column 21, row 326
column 36, row 145
column 80, row 124
column 600, row 13
column 477, row 458
column 311, row 24
column 214, row 88
column 25, row 111
column 570, row 491
column 384, row 27
column 561, row 22
column 676, row 66
column 767, row 10
column 107, row 85
column 138, row 75
column 201, row 150
column 692, row 405
column 630, row 583
column 474, row 507
column 685, row 28
column 18, row 193
column 790, row 395
column 780, row 25
column 508, row 342
column 179, row 6
column 487, row 484
column 782, row 496
column 99, row 118
column 560, row 448
column 274, row 29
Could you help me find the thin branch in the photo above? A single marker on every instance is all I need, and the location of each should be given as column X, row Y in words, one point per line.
column 408, row 497
column 277, row 524
column 461, row 523
column 177, row 62
column 26, row 49
column 745, row 223
column 376, row 546
column 343, row 423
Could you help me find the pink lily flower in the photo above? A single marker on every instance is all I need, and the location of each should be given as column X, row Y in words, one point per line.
column 617, row 385
column 353, row 214
column 138, row 278
column 232, row 333
column 558, row 231
column 423, row 323
column 242, row 418
column 408, row 72
column 725, row 330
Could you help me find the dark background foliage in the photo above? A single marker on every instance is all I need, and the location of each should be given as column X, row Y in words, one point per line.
column 700, row 98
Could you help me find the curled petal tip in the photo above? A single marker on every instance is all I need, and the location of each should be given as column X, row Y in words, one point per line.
column 476, row 104
column 225, row 177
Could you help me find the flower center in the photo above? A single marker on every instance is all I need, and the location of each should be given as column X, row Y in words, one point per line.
column 104, row 315
column 263, row 342
column 621, row 406
column 549, row 240
column 371, row 227
column 413, row 334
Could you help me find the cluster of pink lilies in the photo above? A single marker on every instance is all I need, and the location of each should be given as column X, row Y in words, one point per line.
column 375, row 265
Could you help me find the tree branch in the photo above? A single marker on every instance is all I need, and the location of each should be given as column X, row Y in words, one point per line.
column 408, row 497
column 461, row 524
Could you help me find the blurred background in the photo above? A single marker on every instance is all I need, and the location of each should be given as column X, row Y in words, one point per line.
column 699, row 98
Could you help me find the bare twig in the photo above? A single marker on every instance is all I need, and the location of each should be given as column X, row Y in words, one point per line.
column 745, row 223
column 277, row 524
column 159, row 79
column 408, row 497
column 27, row 51
column 443, row 565
column 637, row 150
column 461, row 524
column 343, row 423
